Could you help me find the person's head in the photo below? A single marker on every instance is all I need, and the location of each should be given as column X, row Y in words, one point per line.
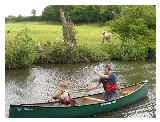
column 103, row 33
column 62, row 84
column 107, row 68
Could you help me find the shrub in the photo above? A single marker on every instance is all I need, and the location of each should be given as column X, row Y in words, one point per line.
column 60, row 53
column 136, row 27
column 21, row 50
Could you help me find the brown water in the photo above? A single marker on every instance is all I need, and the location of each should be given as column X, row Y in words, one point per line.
column 37, row 83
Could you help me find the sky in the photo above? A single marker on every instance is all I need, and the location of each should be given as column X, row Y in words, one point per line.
column 24, row 7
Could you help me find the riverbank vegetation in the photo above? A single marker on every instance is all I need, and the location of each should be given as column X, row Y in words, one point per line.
column 133, row 31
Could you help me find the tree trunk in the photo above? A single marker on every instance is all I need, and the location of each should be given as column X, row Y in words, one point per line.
column 68, row 30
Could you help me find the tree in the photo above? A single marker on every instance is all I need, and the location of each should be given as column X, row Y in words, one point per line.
column 19, row 18
column 10, row 18
column 108, row 13
column 134, row 21
column 136, row 26
column 33, row 12
column 82, row 13
column 68, row 30
column 51, row 13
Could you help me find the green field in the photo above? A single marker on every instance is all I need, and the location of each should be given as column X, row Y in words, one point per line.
column 89, row 34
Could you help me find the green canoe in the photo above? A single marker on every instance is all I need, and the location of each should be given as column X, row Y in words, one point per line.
column 85, row 106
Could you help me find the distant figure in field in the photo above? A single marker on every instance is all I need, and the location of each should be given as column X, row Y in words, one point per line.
column 106, row 36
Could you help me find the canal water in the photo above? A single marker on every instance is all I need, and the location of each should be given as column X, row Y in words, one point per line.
column 39, row 82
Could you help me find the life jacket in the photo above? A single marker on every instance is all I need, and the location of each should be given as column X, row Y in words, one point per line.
column 65, row 98
column 109, row 87
column 110, row 84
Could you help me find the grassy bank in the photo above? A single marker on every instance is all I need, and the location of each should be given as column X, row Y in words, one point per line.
column 44, row 44
column 42, row 32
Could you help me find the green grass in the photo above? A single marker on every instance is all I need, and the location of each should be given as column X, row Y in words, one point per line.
column 41, row 32
column 88, row 36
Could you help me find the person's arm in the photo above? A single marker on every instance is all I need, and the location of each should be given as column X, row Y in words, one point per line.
column 57, row 94
column 99, row 83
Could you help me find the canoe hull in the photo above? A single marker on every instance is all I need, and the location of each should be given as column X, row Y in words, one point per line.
column 19, row 111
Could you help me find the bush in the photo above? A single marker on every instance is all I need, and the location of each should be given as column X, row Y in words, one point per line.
column 20, row 51
column 136, row 27
column 130, row 50
column 62, row 54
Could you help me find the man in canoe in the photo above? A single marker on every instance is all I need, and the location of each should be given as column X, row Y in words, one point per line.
column 62, row 94
column 109, row 81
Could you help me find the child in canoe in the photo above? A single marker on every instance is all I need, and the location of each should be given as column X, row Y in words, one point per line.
column 109, row 82
column 62, row 94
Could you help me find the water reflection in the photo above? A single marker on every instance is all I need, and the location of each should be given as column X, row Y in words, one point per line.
column 36, row 84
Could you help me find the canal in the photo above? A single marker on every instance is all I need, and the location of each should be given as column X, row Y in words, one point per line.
column 38, row 83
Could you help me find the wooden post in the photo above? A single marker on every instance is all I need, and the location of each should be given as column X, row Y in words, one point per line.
column 68, row 32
